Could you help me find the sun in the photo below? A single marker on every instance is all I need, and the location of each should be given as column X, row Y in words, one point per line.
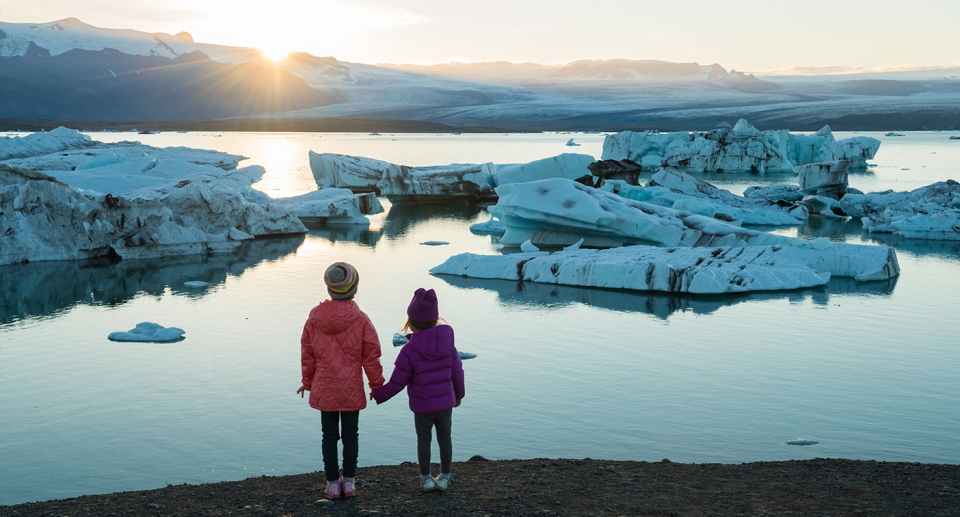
column 274, row 54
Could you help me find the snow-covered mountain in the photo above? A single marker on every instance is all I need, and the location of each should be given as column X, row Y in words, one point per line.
column 36, row 82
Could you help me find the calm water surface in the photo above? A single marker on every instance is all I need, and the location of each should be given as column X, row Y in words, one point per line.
column 870, row 370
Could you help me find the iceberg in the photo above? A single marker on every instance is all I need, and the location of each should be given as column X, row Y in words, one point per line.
column 493, row 226
column 780, row 192
column 741, row 148
column 86, row 155
column 150, row 333
column 332, row 206
column 801, row 441
column 567, row 165
column 828, row 179
column 196, row 283
column 931, row 212
column 572, row 143
column 624, row 170
column 46, row 219
column 674, row 188
column 36, row 144
column 443, row 183
column 707, row 270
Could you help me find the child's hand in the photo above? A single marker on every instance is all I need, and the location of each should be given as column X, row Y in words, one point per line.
column 301, row 390
column 458, row 403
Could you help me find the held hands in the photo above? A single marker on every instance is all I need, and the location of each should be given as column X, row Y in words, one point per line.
column 458, row 403
column 371, row 398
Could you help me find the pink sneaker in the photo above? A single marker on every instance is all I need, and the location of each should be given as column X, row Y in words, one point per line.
column 347, row 484
column 333, row 490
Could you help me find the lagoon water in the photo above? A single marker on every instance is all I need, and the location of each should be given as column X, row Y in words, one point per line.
column 870, row 370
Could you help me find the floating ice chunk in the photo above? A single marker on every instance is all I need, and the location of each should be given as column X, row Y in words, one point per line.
column 434, row 243
column 528, row 247
column 954, row 138
column 352, row 172
column 822, row 205
column 648, row 268
column 925, row 213
column 567, row 165
column 893, row 134
column 572, row 143
column 149, row 332
column 196, row 283
column 824, row 179
column 332, row 205
column 442, row 183
column 695, row 206
column 741, row 148
column 801, row 441
column 36, row 144
column 493, row 226
column 779, row 192
column 102, row 161
column 466, row 355
column 692, row 270
column 400, row 339
column 575, row 246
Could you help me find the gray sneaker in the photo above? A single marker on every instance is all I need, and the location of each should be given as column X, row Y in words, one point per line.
column 427, row 484
column 443, row 482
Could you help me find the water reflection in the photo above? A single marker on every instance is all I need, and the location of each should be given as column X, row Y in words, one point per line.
column 44, row 289
column 659, row 305
column 401, row 220
column 345, row 233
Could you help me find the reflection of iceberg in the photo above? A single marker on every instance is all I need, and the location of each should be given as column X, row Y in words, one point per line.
column 661, row 305
column 400, row 220
column 345, row 233
column 40, row 289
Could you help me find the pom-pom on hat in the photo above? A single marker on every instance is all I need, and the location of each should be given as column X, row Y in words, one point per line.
column 342, row 280
column 423, row 307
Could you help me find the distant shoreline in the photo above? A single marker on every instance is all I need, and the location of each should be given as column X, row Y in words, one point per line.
column 907, row 121
column 559, row 487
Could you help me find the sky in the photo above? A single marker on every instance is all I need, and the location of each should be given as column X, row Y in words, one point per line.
column 813, row 36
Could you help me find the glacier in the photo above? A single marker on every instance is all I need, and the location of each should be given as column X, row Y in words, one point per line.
column 704, row 270
column 673, row 188
column 742, row 148
column 931, row 212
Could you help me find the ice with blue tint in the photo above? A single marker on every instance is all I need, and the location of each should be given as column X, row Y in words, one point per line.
column 931, row 212
column 149, row 332
column 742, row 148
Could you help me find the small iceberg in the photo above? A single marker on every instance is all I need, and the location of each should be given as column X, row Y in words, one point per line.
column 465, row 355
column 528, row 247
column 400, row 339
column 374, row 134
column 149, row 332
column 954, row 138
column 894, row 134
column 801, row 441
column 571, row 143
column 434, row 243
column 196, row 283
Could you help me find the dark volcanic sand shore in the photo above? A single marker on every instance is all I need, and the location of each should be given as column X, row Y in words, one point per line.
column 815, row 487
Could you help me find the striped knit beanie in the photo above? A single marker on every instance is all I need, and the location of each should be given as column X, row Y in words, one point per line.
column 342, row 280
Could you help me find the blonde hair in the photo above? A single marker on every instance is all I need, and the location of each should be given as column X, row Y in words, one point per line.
column 417, row 326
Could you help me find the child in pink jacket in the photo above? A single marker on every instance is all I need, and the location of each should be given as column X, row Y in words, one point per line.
column 338, row 342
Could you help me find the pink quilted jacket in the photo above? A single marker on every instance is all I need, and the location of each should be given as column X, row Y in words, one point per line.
column 338, row 340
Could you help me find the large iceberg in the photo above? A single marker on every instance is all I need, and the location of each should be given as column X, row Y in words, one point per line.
column 931, row 212
column 45, row 219
column 65, row 150
column 333, row 206
column 685, row 270
column 742, row 148
column 674, row 188
column 441, row 183
column 546, row 208
column 43, row 143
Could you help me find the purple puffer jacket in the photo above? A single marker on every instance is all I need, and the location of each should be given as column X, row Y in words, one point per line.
column 430, row 369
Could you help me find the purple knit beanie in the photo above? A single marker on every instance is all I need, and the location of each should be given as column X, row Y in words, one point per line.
column 342, row 280
column 423, row 307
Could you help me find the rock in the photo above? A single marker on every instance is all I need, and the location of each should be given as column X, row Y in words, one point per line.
column 477, row 457
column 665, row 460
column 546, row 472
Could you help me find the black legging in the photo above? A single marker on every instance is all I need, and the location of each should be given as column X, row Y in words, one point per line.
column 425, row 424
column 331, row 422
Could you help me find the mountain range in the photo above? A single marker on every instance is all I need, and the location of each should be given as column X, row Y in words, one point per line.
column 71, row 70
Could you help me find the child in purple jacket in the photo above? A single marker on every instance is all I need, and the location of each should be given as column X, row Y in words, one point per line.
column 431, row 370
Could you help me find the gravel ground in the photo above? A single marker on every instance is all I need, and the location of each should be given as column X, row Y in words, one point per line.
column 560, row 487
